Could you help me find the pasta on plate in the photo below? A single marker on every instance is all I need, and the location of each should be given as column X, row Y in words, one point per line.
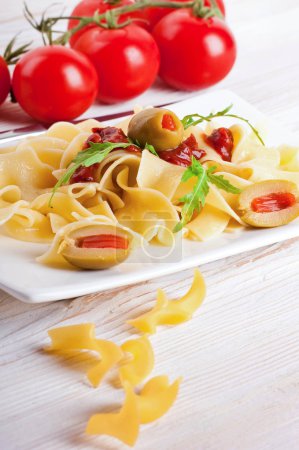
column 195, row 190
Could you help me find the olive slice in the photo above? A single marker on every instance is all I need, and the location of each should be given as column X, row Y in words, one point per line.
column 158, row 127
column 96, row 246
column 269, row 203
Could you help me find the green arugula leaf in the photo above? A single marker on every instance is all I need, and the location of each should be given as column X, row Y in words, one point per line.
column 95, row 153
column 151, row 149
column 195, row 200
column 195, row 119
column 221, row 182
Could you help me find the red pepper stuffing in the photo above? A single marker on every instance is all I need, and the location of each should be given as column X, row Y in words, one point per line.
column 168, row 122
column 111, row 134
column 222, row 141
column 107, row 134
column 96, row 138
column 273, row 202
column 132, row 149
column 103, row 241
column 182, row 155
column 84, row 174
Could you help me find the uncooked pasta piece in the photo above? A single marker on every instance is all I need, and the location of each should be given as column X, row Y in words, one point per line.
column 172, row 312
column 82, row 337
column 110, row 354
column 73, row 337
column 140, row 363
column 156, row 398
column 123, row 425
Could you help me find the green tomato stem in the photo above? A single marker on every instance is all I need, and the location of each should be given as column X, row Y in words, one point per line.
column 109, row 18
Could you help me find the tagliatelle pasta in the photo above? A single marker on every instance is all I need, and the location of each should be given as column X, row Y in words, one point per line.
column 131, row 187
column 10, row 203
column 159, row 175
column 212, row 222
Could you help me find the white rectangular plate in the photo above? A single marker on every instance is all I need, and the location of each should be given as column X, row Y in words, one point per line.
column 25, row 279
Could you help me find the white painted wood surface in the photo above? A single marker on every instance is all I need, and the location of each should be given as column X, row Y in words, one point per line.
column 239, row 356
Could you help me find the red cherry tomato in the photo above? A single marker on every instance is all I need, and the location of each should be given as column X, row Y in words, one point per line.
column 195, row 53
column 54, row 83
column 89, row 7
column 126, row 60
column 4, row 80
column 154, row 15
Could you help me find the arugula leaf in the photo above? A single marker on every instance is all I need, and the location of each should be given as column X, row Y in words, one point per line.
column 195, row 119
column 221, row 182
column 191, row 119
column 195, row 200
column 95, row 153
column 151, row 149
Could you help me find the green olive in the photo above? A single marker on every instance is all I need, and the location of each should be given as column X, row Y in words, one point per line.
column 158, row 127
column 96, row 246
column 270, row 203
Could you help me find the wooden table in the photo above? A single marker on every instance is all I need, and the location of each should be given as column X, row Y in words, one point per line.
column 239, row 356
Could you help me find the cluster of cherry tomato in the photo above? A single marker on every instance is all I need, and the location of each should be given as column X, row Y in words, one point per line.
column 114, row 64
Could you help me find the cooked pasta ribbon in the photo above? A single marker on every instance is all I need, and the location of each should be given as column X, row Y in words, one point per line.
column 138, row 190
